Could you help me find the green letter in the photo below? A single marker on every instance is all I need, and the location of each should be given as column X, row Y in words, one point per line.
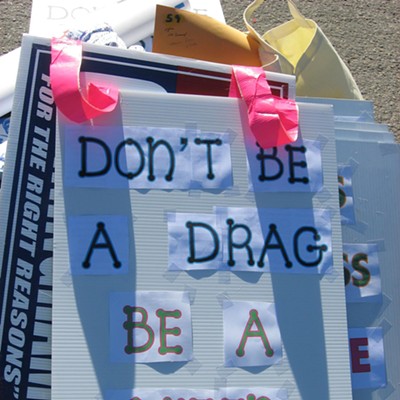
column 163, row 315
column 253, row 314
column 130, row 325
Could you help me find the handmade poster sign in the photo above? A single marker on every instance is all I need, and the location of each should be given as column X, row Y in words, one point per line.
column 159, row 328
column 27, row 192
column 371, row 252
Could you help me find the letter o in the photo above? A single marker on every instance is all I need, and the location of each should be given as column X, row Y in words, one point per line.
column 16, row 337
column 46, row 95
column 80, row 15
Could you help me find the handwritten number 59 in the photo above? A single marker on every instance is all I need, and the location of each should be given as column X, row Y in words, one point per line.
column 172, row 17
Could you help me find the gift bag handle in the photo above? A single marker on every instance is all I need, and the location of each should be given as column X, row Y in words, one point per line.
column 286, row 66
column 294, row 11
column 297, row 15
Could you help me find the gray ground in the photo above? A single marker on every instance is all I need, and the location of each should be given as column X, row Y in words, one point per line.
column 364, row 32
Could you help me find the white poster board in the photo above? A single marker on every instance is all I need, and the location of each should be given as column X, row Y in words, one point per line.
column 309, row 336
column 27, row 193
column 376, row 195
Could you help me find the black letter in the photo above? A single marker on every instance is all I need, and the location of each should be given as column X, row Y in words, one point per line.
column 208, row 143
column 262, row 157
column 129, row 142
column 231, row 244
column 84, row 172
column 310, row 248
column 152, row 149
column 292, row 164
column 107, row 245
column 192, row 258
column 273, row 231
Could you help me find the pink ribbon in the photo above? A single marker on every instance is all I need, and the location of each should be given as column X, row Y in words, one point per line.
column 273, row 120
column 66, row 58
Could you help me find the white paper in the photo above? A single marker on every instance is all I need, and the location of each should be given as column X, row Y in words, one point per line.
column 362, row 273
column 211, row 161
column 252, row 240
column 207, row 236
column 257, row 392
column 150, row 327
column 296, row 167
column 346, row 199
column 99, row 244
column 254, row 393
column 251, row 334
column 146, row 158
column 367, row 358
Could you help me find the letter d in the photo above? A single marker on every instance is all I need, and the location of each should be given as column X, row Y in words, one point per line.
column 56, row 12
column 214, row 246
column 84, row 156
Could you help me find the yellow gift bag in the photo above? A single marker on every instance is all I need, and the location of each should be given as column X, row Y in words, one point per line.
column 306, row 52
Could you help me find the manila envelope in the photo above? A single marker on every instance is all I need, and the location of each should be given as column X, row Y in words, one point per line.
column 183, row 33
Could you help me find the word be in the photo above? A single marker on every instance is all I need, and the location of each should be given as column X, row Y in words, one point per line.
column 292, row 168
column 150, row 327
column 130, row 325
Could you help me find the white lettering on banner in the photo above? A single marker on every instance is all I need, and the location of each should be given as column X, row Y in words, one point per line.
column 38, row 159
column 40, row 361
column 147, row 158
column 19, row 319
column 29, row 248
column 251, row 240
